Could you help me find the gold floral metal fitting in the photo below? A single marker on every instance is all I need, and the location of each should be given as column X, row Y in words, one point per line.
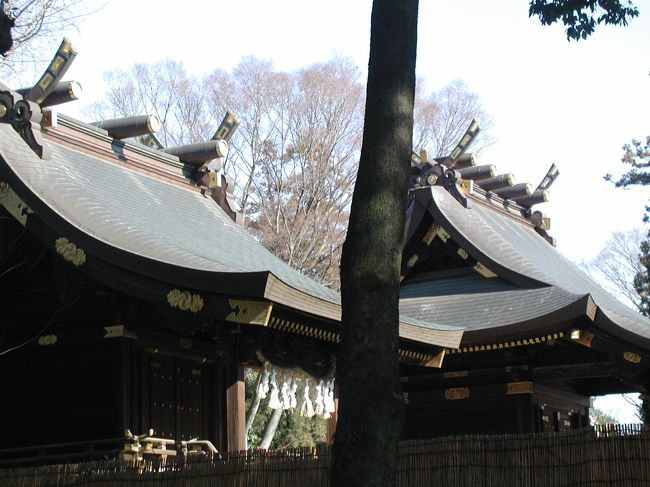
column 635, row 358
column 70, row 252
column 184, row 300
column 47, row 340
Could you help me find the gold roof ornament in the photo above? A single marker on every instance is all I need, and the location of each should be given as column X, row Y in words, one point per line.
column 635, row 358
column 70, row 252
column 185, row 301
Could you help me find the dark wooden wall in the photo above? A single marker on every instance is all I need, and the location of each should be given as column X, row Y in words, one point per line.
column 61, row 394
column 464, row 416
column 429, row 415
column 96, row 390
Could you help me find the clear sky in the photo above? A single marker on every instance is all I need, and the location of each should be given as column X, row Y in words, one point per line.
column 572, row 103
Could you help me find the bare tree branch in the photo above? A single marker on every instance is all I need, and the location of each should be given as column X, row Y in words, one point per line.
column 617, row 264
column 37, row 31
column 294, row 156
column 441, row 117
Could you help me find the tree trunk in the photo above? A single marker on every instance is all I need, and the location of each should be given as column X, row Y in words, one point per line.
column 644, row 410
column 271, row 427
column 371, row 403
column 255, row 404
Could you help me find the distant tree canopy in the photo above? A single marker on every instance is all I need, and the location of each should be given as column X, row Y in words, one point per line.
column 617, row 265
column 637, row 155
column 582, row 16
column 441, row 117
column 294, row 157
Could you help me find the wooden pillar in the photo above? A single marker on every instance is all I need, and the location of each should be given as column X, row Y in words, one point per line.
column 331, row 423
column 236, row 409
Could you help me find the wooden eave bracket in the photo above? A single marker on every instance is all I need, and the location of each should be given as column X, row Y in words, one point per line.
column 434, row 360
column 423, row 359
column 513, row 388
column 583, row 337
column 119, row 331
column 13, row 204
column 249, row 312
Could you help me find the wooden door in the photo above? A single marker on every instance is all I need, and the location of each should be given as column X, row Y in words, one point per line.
column 189, row 400
column 176, row 399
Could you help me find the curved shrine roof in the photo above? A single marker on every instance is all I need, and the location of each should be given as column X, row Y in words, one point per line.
column 166, row 231
column 534, row 280
column 479, row 303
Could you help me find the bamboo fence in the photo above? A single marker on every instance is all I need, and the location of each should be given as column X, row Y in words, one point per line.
column 615, row 455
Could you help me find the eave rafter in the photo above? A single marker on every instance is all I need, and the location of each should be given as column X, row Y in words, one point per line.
column 523, row 342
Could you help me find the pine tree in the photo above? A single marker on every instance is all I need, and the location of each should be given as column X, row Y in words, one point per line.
column 637, row 155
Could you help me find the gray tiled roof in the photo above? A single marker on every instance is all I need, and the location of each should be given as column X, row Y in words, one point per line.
column 145, row 216
column 162, row 222
column 474, row 302
column 518, row 254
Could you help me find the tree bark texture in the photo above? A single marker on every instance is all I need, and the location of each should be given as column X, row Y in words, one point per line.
column 371, row 402
column 271, row 428
column 255, row 404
